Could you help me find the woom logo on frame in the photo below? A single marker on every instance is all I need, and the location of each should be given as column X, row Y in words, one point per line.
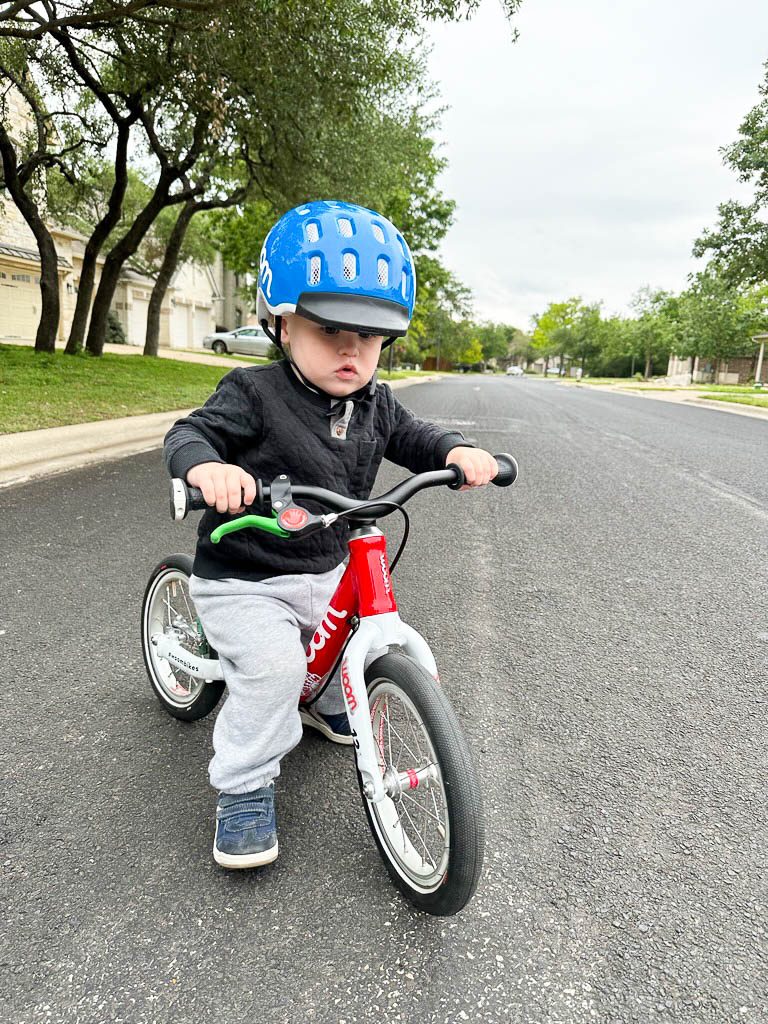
column 323, row 632
column 346, row 686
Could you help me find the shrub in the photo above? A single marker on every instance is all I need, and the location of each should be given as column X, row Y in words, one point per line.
column 115, row 332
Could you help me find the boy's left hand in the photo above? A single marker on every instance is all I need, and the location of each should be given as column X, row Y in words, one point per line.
column 479, row 467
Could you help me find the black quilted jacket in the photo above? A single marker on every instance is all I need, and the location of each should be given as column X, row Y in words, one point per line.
column 267, row 421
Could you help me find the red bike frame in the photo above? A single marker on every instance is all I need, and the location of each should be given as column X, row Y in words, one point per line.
column 365, row 589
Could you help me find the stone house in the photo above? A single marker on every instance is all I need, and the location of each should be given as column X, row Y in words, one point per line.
column 739, row 370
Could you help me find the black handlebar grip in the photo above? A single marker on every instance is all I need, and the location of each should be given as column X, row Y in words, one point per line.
column 460, row 478
column 185, row 499
column 507, row 470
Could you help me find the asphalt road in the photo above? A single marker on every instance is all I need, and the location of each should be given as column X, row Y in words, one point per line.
column 601, row 628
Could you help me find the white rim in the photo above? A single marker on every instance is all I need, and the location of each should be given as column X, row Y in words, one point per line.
column 413, row 828
column 168, row 601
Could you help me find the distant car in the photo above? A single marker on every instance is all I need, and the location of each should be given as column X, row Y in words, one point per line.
column 554, row 370
column 515, row 371
column 247, row 341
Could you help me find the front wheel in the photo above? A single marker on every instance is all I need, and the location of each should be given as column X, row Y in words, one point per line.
column 168, row 608
column 429, row 829
column 219, row 348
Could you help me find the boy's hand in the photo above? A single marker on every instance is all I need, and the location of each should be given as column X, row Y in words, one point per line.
column 226, row 487
column 478, row 466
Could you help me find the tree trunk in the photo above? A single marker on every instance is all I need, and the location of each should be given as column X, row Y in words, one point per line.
column 48, row 325
column 96, row 241
column 648, row 364
column 167, row 268
column 120, row 252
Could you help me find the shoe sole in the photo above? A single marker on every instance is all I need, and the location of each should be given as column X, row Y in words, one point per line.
column 334, row 737
column 244, row 860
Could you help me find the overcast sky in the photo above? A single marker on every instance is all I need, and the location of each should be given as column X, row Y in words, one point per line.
column 584, row 158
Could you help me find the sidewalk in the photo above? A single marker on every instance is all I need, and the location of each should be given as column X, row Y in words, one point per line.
column 35, row 453
column 686, row 397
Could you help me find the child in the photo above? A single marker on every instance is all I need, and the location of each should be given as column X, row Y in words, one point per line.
column 337, row 282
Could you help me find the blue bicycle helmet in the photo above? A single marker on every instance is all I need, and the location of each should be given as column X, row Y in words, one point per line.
column 340, row 265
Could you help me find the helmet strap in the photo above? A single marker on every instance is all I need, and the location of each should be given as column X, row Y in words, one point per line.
column 274, row 336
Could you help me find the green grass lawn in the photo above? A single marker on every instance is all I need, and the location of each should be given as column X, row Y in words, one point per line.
column 54, row 390
column 728, row 389
column 761, row 401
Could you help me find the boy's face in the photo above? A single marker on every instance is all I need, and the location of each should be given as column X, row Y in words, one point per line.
column 337, row 362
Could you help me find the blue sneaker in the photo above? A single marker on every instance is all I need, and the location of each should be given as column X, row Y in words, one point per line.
column 336, row 728
column 246, row 829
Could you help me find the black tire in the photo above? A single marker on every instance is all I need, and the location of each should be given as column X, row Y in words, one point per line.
column 180, row 694
column 219, row 348
column 449, row 887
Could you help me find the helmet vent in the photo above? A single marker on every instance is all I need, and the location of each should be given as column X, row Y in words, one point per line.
column 382, row 271
column 403, row 246
column 349, row 265
column 345, row 227
column 404, row 286
column 314, row 269
column 313, row 231
column 378, row 234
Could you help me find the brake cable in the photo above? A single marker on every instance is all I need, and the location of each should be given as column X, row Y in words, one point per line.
column 374, row 504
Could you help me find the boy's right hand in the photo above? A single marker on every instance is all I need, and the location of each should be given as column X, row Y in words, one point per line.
column 226, row 487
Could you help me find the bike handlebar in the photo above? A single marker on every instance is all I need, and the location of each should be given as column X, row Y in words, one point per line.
column 185, row 499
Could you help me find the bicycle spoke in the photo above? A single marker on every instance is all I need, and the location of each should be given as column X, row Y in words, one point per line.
column 436, row 817
column 419, row 837
column 190, row 613
column 414, row 757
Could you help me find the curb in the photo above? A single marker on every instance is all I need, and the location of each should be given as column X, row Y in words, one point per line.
column 756, row 412
column 37, row 453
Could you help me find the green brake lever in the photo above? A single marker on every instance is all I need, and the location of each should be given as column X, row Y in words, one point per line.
column 259, row 522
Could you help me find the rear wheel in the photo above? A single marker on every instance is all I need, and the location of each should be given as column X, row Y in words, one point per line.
column 167, row 608
column 429, row 829
column 219, row 347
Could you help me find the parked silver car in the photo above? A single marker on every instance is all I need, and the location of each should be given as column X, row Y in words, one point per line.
column 248, row 341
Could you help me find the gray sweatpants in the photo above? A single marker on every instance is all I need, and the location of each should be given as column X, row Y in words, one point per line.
column 260, row 631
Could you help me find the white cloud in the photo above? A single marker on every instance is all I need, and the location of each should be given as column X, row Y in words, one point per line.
column 585, row 157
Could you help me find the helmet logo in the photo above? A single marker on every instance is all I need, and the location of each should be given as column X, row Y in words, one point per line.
column 265, row 272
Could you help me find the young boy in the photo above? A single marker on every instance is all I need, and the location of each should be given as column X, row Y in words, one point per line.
column 337, row 283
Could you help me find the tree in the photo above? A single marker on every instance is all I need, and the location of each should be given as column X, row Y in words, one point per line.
column 653, row 333
column 574, row 330
column 473, row 353
column 20, row 19
column 585, row 334
column 739, row 243
column 716, row 321
column 519, row 346
column 618, row 350
column 179, row 80
column 494, row 339
column 27, row 159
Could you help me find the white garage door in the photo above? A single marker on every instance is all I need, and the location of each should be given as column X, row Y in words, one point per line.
column 19, row 304
column 202, row 326
column 178, row 326
column 137, row 323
